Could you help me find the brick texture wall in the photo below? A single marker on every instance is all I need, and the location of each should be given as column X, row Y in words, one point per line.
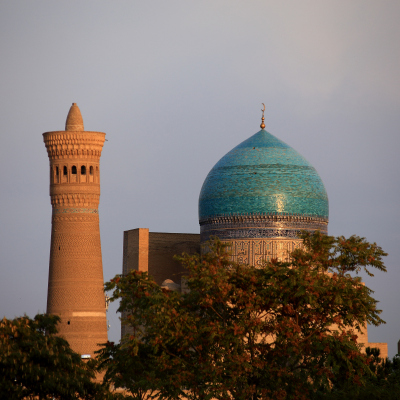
column 154, row 252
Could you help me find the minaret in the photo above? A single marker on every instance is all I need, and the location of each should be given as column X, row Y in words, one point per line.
column 75, row 291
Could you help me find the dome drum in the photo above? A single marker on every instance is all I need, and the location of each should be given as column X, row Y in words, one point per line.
column 260, row 226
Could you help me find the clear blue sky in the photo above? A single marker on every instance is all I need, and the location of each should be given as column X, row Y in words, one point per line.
column 177, row 84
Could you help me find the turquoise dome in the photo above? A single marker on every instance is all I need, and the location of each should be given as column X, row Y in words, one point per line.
column 263, row 175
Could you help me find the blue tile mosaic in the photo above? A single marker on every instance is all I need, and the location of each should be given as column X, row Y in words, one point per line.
column 263, row 175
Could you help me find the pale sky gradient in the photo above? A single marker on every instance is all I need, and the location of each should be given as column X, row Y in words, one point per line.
column 176, row 85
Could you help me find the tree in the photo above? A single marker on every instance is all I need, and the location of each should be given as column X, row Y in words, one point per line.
column 34, row 363
column 134, row 372
column 383, row 383
column 283, row 331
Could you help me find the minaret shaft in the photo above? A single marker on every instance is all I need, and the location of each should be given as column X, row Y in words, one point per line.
column 75, row 290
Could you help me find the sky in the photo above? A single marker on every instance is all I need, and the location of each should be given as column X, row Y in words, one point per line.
column 176, row 85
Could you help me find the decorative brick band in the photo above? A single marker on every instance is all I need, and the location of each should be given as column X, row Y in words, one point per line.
column 256, row 233
column 88, row 314
column 257, row 251
column 228, row 227
column 262, row 217
column 57, row 211
column 77, row 217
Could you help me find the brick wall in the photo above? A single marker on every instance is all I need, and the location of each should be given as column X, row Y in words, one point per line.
column 153, row 252
column 383, row 347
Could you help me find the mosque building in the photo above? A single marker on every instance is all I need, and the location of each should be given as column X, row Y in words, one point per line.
column 259, row 196
column 257, row 199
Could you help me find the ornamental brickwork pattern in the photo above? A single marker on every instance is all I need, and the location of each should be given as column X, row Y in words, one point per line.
column 256, row 238
column 256, row 252
column 75, row 289
column 259, row 226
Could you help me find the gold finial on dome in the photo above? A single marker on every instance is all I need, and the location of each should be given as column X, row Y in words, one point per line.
column 262, row 126
column 74, row 120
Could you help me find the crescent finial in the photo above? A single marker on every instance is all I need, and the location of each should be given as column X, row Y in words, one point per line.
column 262, row 126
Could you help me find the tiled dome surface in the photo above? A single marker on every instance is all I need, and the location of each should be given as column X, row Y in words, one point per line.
column 263, row 175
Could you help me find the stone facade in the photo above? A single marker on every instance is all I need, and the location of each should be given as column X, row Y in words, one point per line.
column 75, row 288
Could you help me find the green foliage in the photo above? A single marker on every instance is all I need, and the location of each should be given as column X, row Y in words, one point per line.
column 382, row 384
column 283, row 331
column 131, row 371
column 34, row 363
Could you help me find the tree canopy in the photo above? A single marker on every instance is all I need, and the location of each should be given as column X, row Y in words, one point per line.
column 282, row 331
column 382, row 384
column 35, row 363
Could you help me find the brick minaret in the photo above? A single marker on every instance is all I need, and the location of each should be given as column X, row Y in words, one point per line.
column 75, row 291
